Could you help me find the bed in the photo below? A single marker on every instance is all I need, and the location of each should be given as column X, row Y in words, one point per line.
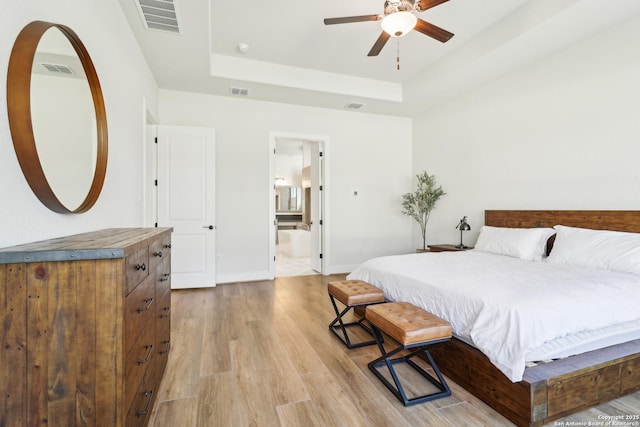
column 602, row 367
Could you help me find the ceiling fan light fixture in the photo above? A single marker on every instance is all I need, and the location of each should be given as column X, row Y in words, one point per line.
column 398, row 24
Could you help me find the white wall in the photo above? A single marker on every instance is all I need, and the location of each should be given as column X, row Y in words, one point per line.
column 289, row 167
column 366, row 153
column 64, row 127
column 564, row 133
column 126, row 80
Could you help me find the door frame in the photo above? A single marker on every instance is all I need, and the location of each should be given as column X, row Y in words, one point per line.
column 150, row 168
column 323, row 140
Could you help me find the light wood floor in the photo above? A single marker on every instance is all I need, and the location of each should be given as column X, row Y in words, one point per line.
column 261, row 354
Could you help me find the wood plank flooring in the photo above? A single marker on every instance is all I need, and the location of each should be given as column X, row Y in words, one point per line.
column 261, row 354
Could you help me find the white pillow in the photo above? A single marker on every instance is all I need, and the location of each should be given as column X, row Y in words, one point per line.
column 524, row 243
column 603, row 249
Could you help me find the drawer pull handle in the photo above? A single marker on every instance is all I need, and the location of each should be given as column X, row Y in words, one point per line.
column 167, row 310
column 168, row 246
column 148, row 356
column 165, row 277
column 142, row 267
column 149, row 301
column 145, row 411
column 158, row 254
column 167, row 348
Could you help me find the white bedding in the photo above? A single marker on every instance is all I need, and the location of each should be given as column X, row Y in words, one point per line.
column 506, row 306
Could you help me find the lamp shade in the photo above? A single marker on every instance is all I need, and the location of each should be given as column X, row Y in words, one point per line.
column 398, row 24
column 463, row 225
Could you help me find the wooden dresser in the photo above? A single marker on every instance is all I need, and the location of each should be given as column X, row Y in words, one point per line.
column 85, row 328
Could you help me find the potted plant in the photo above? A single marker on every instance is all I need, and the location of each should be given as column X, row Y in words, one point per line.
column 419, row 204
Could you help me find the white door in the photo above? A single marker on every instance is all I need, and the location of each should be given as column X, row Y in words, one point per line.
column 316, row 207
column 186, row 202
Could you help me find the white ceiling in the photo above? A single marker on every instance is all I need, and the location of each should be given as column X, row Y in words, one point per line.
column 294, row 58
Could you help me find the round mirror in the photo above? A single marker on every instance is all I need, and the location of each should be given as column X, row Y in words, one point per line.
column 57, row 117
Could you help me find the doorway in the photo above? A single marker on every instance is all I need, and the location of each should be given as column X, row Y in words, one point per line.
column 297, row 205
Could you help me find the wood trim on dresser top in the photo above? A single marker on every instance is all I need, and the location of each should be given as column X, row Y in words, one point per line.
column 550, row 390
column 86, row 328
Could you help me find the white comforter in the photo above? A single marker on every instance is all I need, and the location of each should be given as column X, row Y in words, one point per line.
column 505, row 305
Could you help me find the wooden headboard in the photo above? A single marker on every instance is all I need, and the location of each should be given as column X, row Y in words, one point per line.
column 598, row 220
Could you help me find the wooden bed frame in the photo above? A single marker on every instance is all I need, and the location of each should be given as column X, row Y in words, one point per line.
column 556, row 389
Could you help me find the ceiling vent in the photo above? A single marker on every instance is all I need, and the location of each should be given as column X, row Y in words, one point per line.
column 58, row 68
column 159, row 15
column 354, row 106
column 238, row 91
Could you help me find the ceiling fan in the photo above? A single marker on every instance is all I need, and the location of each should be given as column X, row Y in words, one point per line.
column 398, row 19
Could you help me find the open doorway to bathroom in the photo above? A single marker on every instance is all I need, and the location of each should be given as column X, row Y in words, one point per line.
column 297, row 206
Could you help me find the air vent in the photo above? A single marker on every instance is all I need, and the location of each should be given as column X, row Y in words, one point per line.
column 238, row 91
column 159, row 15
column 58, row 68
column 354, row 106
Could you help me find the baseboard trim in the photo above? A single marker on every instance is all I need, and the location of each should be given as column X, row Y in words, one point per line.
column 245, row 276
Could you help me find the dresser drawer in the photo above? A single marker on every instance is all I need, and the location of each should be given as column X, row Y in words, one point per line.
column 163, row 277
column 136, row 268
column 142, row 404
column 139, row 359
column 164, row 308
column 163, row 332
column 139, row 306
column 159, row 251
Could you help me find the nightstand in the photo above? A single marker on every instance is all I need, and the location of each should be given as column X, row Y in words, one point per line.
column 447, row 248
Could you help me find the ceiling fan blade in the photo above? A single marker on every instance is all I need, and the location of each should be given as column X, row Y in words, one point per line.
column 348, row 19
column 379, row 44
column 432, row 31
column 428, row 4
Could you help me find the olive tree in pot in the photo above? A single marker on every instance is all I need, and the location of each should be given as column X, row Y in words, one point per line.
column 419, row 204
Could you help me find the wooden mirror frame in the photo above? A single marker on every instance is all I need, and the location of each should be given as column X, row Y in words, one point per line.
column 20, row 121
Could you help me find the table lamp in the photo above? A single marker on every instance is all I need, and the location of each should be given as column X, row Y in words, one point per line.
column 463, row 225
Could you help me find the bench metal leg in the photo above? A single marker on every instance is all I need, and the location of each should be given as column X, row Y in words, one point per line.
column 398, row 390
column 338, row 325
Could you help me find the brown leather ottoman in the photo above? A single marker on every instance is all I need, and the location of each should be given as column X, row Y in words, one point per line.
column 413, row 328
column 352, row 294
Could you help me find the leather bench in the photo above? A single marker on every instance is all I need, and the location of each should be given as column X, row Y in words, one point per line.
column 352, row 294
column 415, row 330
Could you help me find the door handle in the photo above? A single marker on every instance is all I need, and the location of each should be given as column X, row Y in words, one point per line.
column 210, row 227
